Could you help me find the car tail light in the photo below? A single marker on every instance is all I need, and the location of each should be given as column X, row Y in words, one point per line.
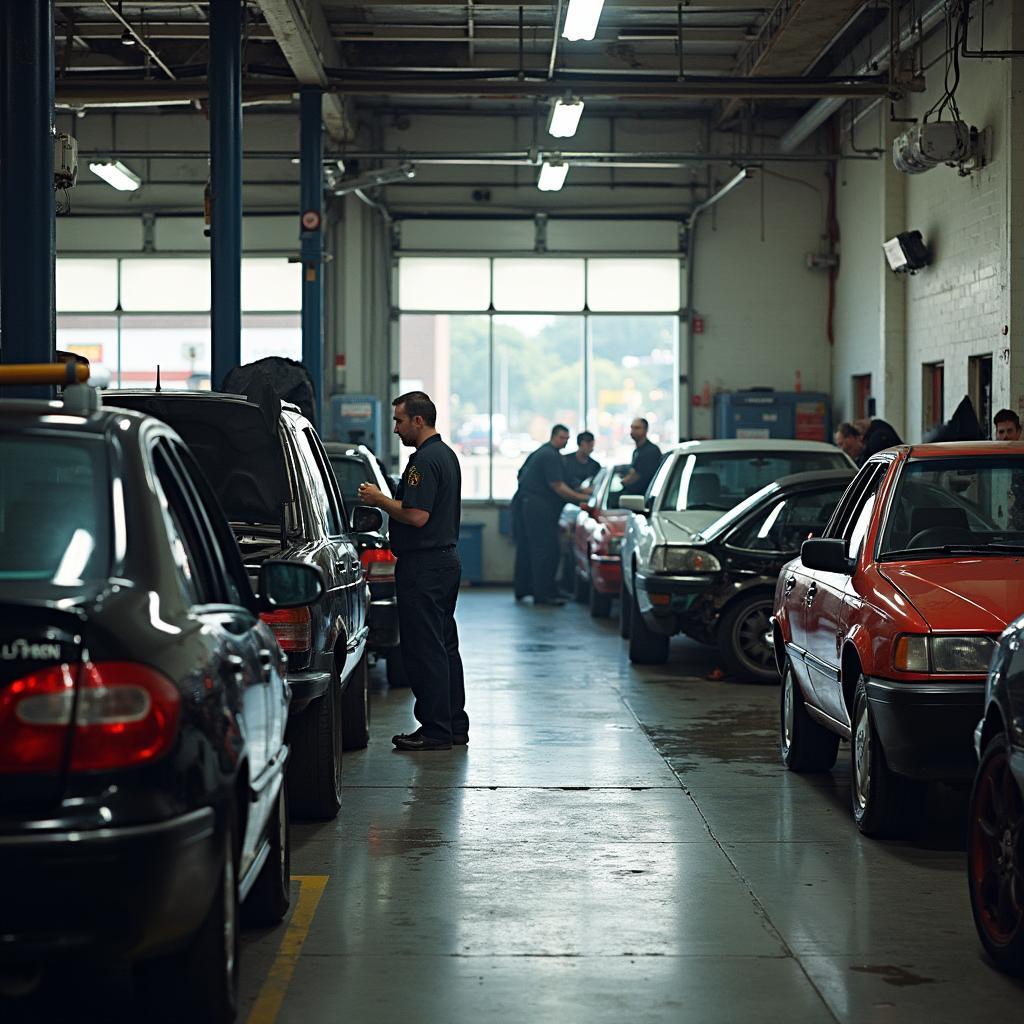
column 125, row 714
column 378, row 564
column 293, row 628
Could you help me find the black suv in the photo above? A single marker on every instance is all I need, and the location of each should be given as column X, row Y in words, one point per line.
column 272, row 476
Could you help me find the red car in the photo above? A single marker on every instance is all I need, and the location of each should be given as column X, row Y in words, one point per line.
column 885, row 626
column 596, row 540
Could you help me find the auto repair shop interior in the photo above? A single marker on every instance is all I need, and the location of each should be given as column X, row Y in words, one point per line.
column 765, row 761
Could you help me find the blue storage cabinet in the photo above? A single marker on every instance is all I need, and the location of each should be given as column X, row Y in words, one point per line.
column 763, row 413
column 358, row 419
column 471, row 552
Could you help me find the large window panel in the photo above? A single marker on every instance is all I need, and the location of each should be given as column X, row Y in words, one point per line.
column 179, row 345
column 625, row 286
column 158, row 286
column 265, row 335
column 631, row 371
column 271, row 285
column 537, row 382
column 86, row 286
column 448, row 357
column 449, row 285
column 539, row 285
column 94, row 337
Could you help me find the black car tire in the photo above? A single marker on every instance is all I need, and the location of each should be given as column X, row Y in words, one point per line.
column 884, row 804
column 645, row 646
column 744, row 623
column 625, row 613
column 580, row 587
column 199, row 982
column 270, row 895
column 395, row 666
column 355, row 708
column 600, row 604
column 995, row 857
column 314, row 775
column 805, row 746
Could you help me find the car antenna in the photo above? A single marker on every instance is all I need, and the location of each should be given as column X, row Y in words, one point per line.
column 158, row 376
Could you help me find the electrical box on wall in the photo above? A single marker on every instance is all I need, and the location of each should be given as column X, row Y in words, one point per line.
column 358, row 419
column 764, row 413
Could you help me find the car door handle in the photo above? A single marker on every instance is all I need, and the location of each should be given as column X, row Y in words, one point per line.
column 266, row 658
column 233, row 666
column 790, row 584
column 811, row 591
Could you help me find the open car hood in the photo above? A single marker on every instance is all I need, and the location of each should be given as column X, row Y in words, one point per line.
column 962, row 594
column 234, row 441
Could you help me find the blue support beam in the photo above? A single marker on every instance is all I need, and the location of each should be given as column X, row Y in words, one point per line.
column 311, row 152
column 225, row 78
column 28, row 222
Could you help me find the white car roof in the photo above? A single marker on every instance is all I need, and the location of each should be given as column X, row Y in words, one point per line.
column 755, row 444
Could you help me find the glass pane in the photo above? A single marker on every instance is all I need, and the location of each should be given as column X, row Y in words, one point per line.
column 180, row 346
column 784, row 525
column 165, row 285
column 94, row 337
column 447, row 357
column 633, row 286
column 85, row 286
column 444, row 284
column 632, row 372
column 54, row 510
column 539, row 286
column 273, row 285
column 538, row 382
column 271, row 336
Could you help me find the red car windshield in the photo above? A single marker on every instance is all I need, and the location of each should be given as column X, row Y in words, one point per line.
column 952, row 506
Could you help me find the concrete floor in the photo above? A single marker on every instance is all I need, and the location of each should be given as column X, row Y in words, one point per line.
column 615, row 844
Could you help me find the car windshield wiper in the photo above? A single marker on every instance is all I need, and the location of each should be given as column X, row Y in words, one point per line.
column 954, row 549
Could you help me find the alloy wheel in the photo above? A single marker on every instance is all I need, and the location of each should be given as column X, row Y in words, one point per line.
column 753, row 636
column 230, row 912
column 788, row 699
column 862, row 757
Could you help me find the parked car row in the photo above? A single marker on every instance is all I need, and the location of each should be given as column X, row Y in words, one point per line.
column 183, row 653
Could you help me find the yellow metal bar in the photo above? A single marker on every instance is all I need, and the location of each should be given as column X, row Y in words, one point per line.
column 44, row 373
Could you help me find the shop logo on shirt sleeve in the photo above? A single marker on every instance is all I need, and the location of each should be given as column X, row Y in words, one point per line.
column 413, row 478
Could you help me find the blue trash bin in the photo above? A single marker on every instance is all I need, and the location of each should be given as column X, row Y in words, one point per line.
column 471, row 552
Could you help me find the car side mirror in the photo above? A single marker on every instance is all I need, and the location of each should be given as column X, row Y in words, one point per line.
column 286, row 584
column 826, row 554
column 366, row 519
column 634, row 503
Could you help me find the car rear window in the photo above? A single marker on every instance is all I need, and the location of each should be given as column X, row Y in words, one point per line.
column 721, row 480
column 350, row 473
column 54, row 509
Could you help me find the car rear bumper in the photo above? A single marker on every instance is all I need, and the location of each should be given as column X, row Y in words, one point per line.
column 125, row 892
column 927, row 729
column 382, row 620
column 666, row 601
column 606, row 574
column 306, row 687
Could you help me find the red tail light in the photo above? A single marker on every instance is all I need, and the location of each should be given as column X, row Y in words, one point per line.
column 293, row 628
column 378, row 564
column 126, row 714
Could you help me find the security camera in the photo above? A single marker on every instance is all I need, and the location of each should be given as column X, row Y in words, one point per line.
column 925, row 146
column 65, row 161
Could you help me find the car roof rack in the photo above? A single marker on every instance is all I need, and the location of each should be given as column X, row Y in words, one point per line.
column 79, row 381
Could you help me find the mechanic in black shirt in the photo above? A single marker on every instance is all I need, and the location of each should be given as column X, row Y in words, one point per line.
column 645, row 462
column 580, row 464
column 863, row 438
column 424, row 529
column 535, row 509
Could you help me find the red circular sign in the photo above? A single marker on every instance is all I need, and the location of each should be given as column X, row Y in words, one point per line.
column 310, row 220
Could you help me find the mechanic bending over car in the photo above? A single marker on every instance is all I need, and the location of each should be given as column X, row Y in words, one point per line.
column 863, row 438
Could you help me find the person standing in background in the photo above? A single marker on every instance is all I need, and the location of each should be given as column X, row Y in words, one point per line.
column 646, row 459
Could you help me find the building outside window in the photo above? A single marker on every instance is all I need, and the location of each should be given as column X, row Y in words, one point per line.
column 979, row 383
column 862, row 396
column 932, row 396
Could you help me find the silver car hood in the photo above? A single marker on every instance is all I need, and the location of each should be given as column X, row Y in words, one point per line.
column 683, row 527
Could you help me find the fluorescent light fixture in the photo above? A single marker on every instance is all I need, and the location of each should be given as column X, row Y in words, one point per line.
column 581, row 19
column 565, row 118
column 552, row 176
column 116, row 175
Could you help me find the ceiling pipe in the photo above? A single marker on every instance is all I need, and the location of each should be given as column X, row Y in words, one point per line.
column 878, row 61
column 691, row 253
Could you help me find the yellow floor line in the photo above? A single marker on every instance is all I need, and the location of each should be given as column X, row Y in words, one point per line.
column 275, row 987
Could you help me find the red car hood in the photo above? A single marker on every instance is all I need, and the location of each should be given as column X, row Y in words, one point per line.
column 981, row 594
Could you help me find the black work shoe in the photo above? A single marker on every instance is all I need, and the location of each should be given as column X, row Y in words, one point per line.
column 417, row 741
column 460, row 739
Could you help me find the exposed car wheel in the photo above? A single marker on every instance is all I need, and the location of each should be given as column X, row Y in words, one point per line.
column 625, row 613
column 600, row 604
column 580, row 588
column 645, row 646
column 995, row 858
column 884, row 804
column 396, row 668
column 199, row 982
column 805, row 745
column 270, row 895
column 745, row 639
column 314, row 775
column 355, row 708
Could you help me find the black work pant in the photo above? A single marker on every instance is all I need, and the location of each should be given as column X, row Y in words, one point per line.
column 427, row 587
column 537, row 548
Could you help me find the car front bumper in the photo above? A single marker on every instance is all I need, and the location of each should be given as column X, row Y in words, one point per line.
column 606, row 574
column 927, row 729
column 126, row 892
column 665, row 601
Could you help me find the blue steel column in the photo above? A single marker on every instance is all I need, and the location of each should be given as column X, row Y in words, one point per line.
column 311, row 152
column 225, row 77
column 27, row 224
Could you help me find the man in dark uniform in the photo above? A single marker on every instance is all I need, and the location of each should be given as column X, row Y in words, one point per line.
column 645, row 461
column 424, row 529
column 580, row 465
column 863, row 438
column 536, row 506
